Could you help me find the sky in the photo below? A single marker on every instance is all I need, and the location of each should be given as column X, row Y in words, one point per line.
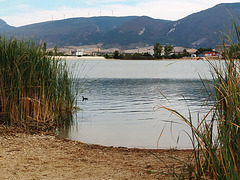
column 24, row 12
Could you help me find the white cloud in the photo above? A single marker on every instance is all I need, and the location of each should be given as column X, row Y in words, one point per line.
column 48, row 15
column 172, row 10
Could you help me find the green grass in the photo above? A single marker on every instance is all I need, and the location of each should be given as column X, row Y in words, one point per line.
column 35, row 89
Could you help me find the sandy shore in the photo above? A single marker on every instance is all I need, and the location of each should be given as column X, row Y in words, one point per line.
column 24, row 156
column 82, row 58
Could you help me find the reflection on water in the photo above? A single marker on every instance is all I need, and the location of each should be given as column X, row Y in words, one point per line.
column 123, row 111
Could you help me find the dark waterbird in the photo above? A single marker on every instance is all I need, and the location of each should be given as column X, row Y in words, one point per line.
column 84, row 99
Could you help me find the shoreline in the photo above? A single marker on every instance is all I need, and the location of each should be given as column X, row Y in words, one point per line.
column 103, row 58
column 49, row 156
column 81, row 58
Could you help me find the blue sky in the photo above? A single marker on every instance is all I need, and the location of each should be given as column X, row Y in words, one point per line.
column 23, row 12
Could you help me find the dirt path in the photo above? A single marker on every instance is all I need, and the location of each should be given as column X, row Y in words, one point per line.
column 24, row 156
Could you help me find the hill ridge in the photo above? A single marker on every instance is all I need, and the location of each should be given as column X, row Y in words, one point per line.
column 196, row 30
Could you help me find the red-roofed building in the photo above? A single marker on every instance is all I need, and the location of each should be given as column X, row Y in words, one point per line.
column 210, row 53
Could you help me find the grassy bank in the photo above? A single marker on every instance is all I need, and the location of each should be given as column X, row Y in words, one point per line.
column 222, row 154
column 215, row 140
column 35, row 89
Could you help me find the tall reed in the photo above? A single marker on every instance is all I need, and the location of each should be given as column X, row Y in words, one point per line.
column 217, row 154
column 35, row 89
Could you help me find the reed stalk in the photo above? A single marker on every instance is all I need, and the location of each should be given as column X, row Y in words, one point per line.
column 217, row 154
column 35, row 89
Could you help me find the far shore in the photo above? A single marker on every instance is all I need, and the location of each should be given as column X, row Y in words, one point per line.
column 82, row 57
column 103, row 58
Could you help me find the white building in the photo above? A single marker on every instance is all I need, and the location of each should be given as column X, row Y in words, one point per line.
column 80, row 52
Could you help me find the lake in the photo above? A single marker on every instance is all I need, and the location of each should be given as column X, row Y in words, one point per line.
column 122, row 109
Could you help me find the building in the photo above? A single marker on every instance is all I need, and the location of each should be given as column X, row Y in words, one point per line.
column 178, row 50
column 80, row 52
column 192, row 52
column 210, row 53
column 185, row 51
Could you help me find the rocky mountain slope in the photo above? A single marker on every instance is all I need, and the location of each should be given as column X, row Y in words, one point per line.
column 196, row 30
column 4, row 26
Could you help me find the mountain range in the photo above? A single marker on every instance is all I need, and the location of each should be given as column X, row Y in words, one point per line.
column 200, row 29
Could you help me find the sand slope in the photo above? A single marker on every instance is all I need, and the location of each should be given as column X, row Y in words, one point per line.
column 24, row 156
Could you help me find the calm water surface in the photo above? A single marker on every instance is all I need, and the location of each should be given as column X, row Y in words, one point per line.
column 123, row 100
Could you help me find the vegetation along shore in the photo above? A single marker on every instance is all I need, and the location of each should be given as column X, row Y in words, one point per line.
column 35, row 89
column 36, row 96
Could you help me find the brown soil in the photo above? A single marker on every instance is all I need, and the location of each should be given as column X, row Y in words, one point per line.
column 25, row 156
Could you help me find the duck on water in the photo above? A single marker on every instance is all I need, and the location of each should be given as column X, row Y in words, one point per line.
column 84, row 98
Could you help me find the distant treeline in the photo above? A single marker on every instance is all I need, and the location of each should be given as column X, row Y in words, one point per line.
column 160, row 52
column 128, row 56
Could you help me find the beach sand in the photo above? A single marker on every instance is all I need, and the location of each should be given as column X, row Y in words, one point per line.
column 47, row 156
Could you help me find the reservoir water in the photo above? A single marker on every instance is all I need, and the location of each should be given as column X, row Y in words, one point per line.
column 124, row 99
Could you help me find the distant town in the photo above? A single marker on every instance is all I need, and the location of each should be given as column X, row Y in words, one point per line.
column 166, row 52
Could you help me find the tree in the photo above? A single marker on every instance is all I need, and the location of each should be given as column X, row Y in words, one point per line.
column 50, row 53
column 185, row 53
column 116, row 55
column 55, row 50
column 157, row 51
column 201, row 50
column 107, row 56
column 168, row 49
column 44, row 48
